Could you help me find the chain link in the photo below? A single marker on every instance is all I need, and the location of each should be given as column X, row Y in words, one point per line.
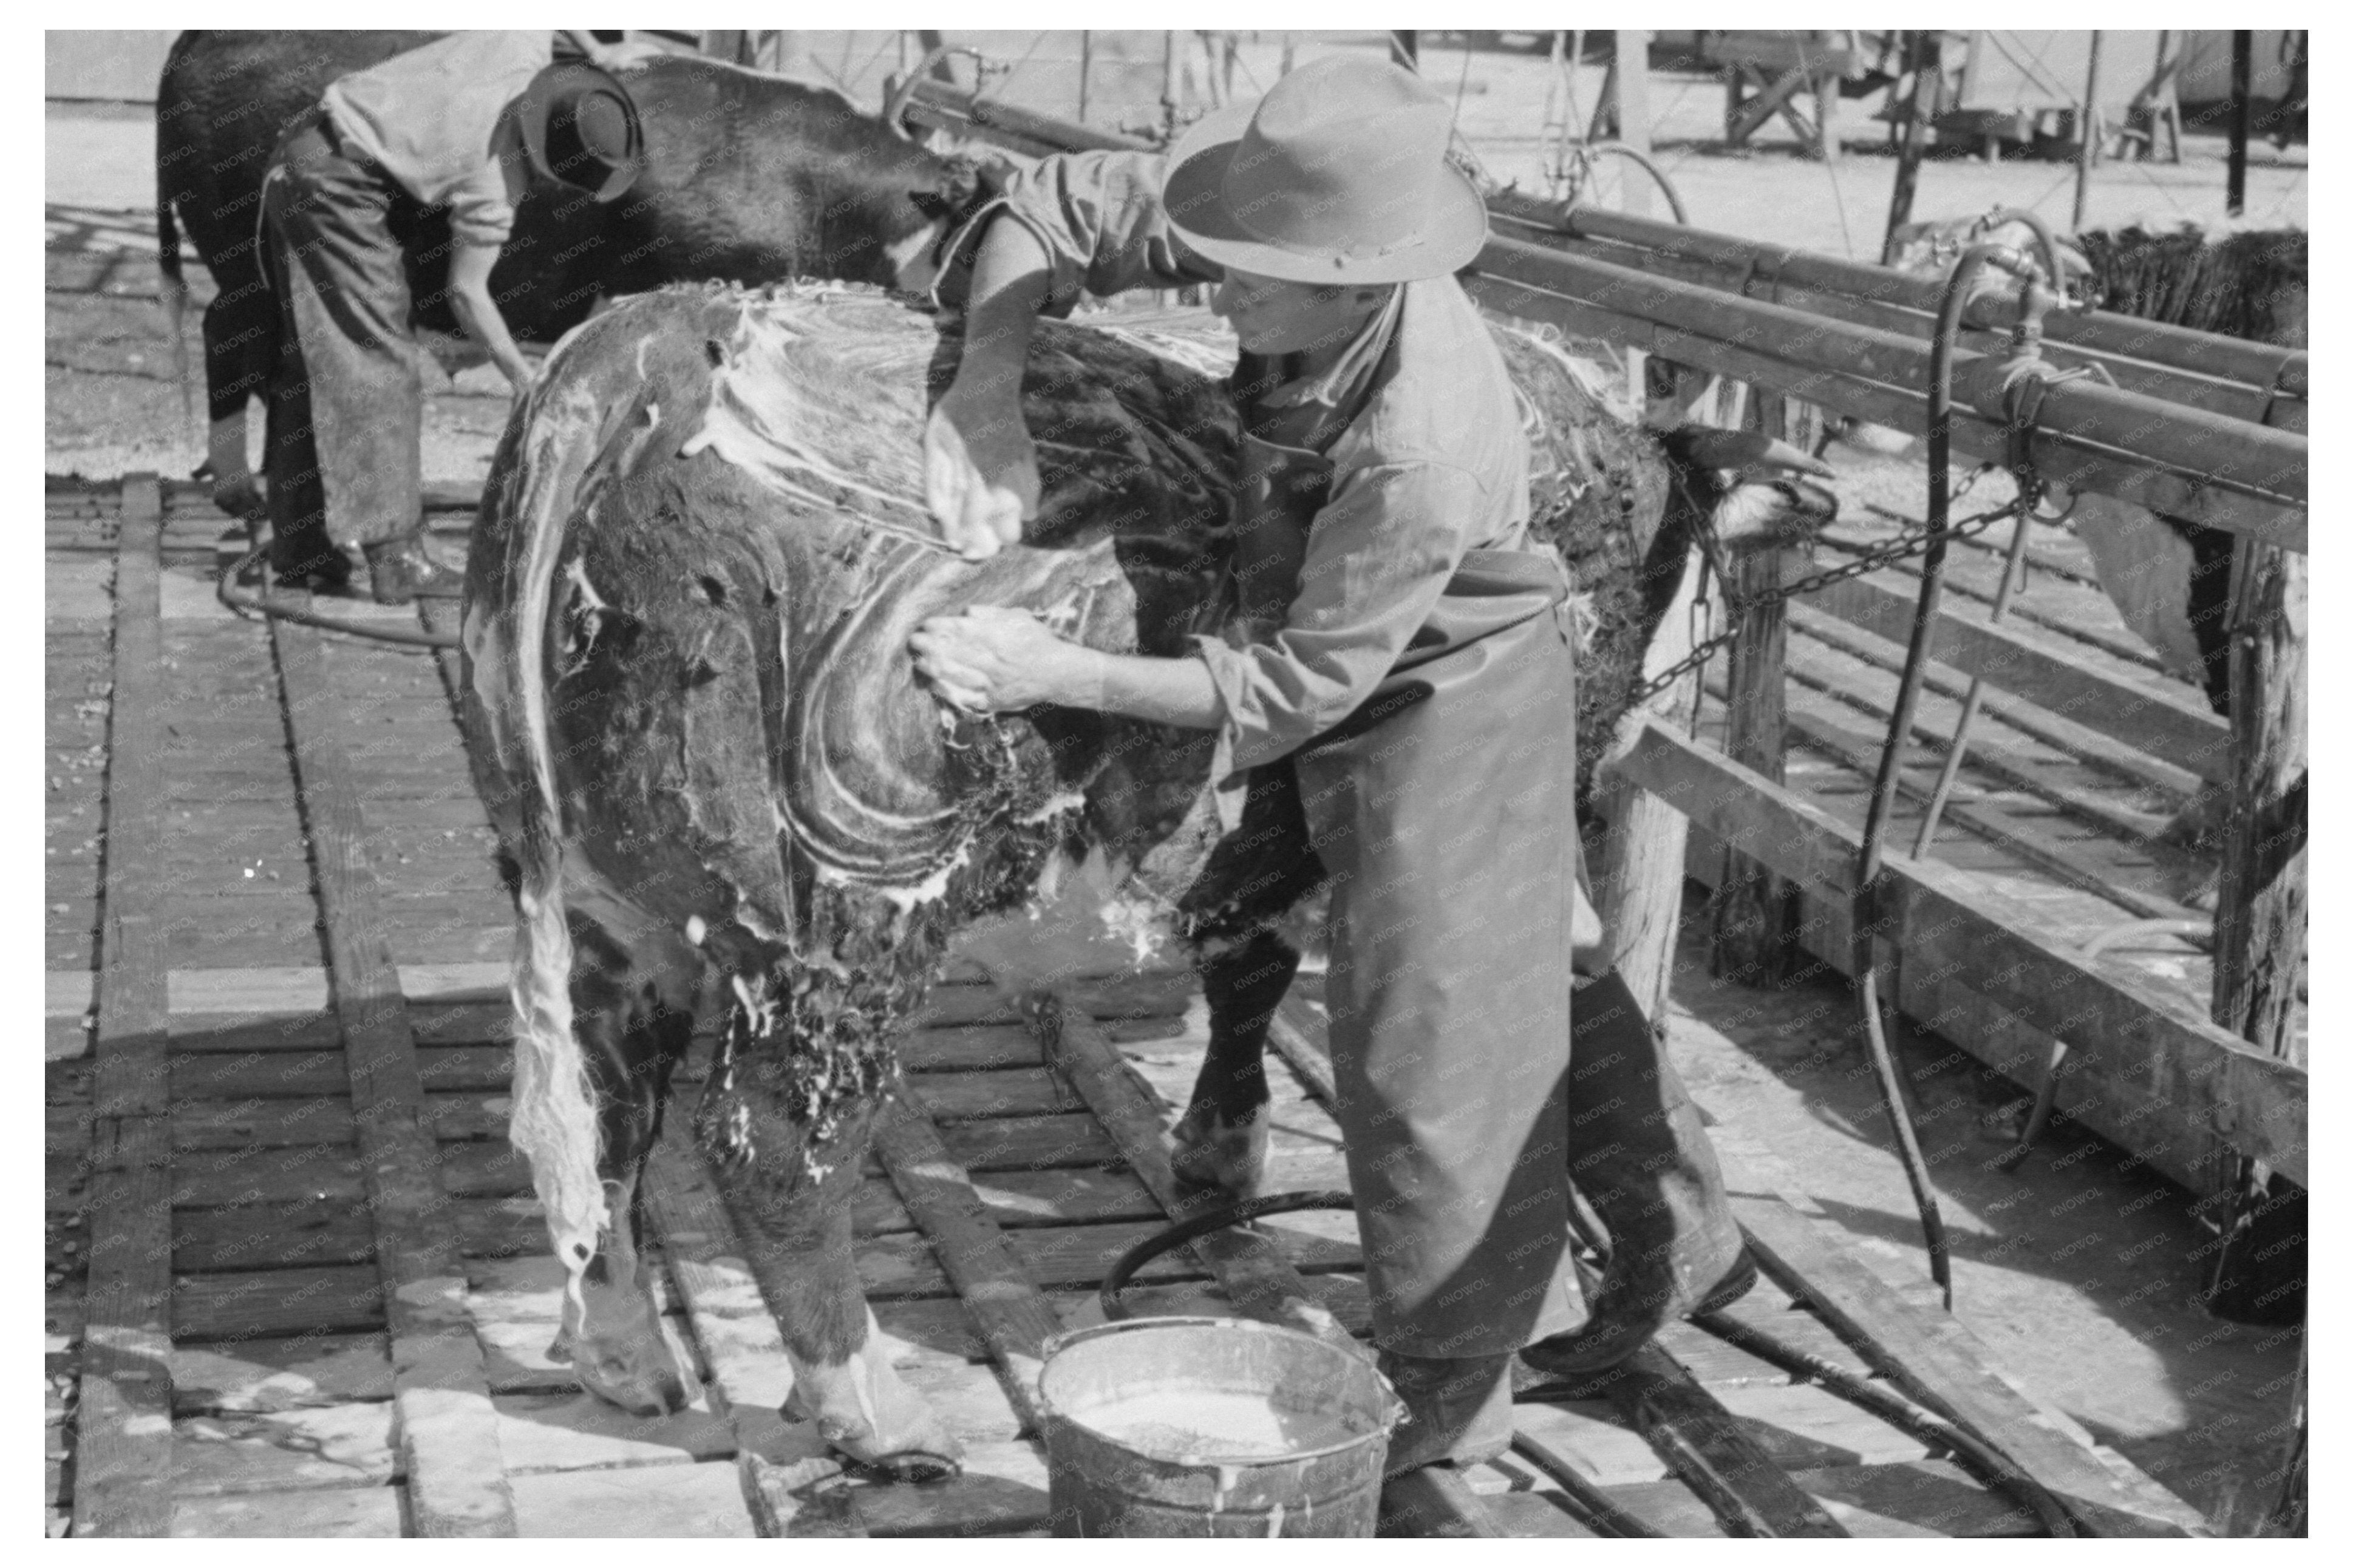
column 1911, row 542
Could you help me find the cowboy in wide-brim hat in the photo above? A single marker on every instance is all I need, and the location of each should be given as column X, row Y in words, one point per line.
column 456, row 125
column 1338, row 176
column 1395, row 711
column 579, row 125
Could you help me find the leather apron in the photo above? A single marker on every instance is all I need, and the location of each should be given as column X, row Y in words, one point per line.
column 1443, row 813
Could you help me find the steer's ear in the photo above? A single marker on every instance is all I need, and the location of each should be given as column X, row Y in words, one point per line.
column 1704, row 447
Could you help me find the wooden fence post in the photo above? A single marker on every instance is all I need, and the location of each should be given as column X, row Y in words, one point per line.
column 2242, row 110
column 1927, row 69
column 1754, row 921
column 2087, row 133
column 1170, row 105
column 1632, row 75
column 1637, row 867
column 2260, row 922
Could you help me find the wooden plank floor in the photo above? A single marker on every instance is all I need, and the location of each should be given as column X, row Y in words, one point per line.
column 282, row 1385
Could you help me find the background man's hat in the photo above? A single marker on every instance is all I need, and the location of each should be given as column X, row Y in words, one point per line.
column 579, row 126
column 1339, row 175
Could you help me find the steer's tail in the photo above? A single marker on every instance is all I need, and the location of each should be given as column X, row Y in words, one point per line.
column 174, row 291
column 554, row 1121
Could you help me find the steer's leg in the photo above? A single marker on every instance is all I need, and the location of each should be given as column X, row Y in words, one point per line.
column 1220, row 1142
column 1254, row 875
column 240, row 342
column 633, row 1012
column 791, row 1198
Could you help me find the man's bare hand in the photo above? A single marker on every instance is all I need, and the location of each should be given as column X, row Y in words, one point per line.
column 994, row 659
column 980, row 473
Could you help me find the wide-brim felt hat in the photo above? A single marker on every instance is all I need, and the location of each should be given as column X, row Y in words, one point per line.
column 1338, row 175
column 579, row 125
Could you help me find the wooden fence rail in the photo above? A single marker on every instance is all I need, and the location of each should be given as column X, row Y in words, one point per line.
column 1982, row 331
column 2287, row 371
column 2167, row 1078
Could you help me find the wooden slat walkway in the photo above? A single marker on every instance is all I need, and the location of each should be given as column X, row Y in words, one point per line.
column 323, row 997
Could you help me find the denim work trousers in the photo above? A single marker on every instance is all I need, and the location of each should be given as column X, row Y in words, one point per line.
column 346, row 403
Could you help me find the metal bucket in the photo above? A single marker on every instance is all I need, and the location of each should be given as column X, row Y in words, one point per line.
column 1212, row 1426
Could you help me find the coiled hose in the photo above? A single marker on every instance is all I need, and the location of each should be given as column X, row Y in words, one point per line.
column 244, row 601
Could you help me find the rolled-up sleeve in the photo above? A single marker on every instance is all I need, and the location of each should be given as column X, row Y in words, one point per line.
column 479, row 211
column 1379, row 554
column 1098, row 217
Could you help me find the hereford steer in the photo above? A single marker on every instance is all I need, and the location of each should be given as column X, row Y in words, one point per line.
column 696, row 726
column 747, row 177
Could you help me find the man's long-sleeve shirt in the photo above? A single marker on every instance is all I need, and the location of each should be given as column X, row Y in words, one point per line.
column 429, row 116
column 1434, row 464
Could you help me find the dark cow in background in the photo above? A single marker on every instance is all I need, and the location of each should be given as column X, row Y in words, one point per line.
column 748, row 177
column 701, row 551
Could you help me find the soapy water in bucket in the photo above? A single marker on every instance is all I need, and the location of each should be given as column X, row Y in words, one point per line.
column 1191, row 1425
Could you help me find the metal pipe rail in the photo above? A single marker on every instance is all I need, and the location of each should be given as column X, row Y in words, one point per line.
column 2260, row 365
column 989, row 117
column 2077, row 464
column 2254, row 460
column 2177, row 456
column 2193, row 389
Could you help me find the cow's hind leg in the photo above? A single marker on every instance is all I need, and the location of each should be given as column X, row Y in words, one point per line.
column 791, row 1200
column 240, row 343
column 633, row 1012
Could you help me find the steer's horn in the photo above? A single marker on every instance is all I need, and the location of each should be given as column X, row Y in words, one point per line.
column 1713, row 449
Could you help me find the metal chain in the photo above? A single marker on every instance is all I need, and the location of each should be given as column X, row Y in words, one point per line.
column 1911, row 542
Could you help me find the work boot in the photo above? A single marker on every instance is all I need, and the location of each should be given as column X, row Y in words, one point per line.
column 1458, row 1409
column 309, row 561
column 1642, row 1160
column 399, row 571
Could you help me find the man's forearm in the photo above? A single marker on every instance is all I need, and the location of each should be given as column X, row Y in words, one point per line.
column 1009, row 284
column 1164, row 690
column 478, row 313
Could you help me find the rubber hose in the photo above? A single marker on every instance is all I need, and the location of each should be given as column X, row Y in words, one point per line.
column 1635, row 154
column 1890, row 762
column 2042, row 236
column 288, row 610
column 244, row 601
column 1201, row 1225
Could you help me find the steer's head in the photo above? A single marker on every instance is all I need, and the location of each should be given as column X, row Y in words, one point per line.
column 1753, row 491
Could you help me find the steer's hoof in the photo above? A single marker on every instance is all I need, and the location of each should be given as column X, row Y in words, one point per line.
column 647, row 1375
column 1211, row 1154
